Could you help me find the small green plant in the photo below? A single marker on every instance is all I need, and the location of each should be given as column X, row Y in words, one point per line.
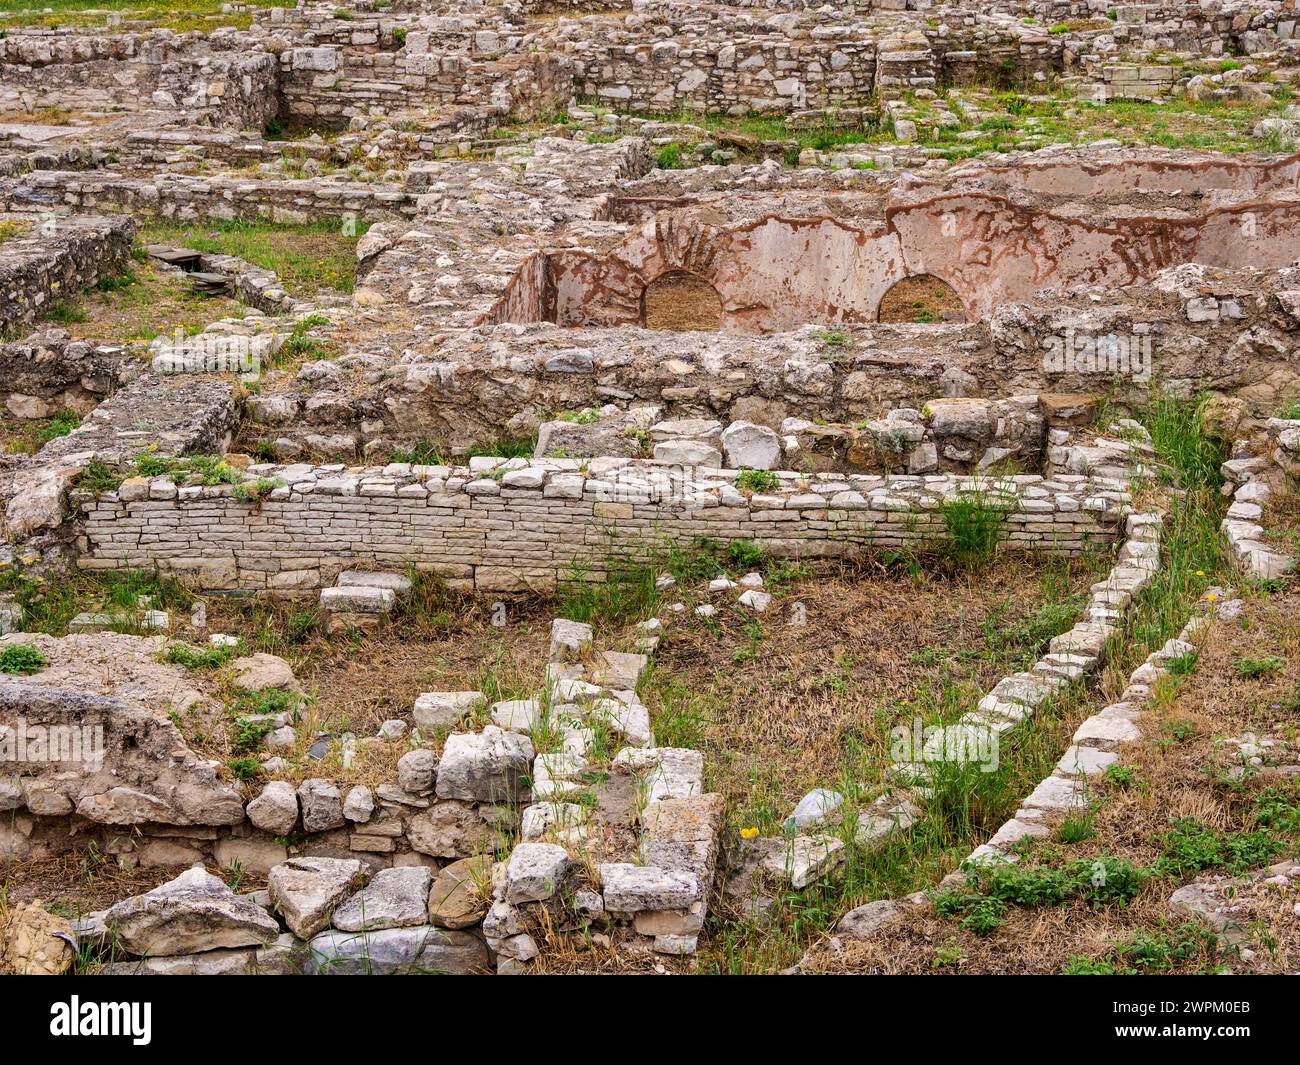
column 245, row 768
column 670, row 157
column 748, row 480
column 1190, row 846
column 182, row 654
column 421, row 453
column 255, row 490
column 745, row 553
column 64, row 312
column 100, row 477
column 60, row 425
column 23, row 659
column 974, row 522
column 946, row 956
column 1078, row 966
column 1122, row 776
column 833, row 338
column 504, row 448
column 1245, row 666
column 1074, row 829
column 1161, row 951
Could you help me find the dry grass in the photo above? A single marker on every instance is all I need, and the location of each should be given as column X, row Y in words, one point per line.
column 1183, row 767
column 779, row 709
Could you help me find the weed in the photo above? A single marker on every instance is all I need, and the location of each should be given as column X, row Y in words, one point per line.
column 22, row 658
column 974, row 522
column 748, row 480
column 1267, row 666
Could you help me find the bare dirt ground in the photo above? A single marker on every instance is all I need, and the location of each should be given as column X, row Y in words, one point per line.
column 680, row 301
column 780, row 708
column 923, row 298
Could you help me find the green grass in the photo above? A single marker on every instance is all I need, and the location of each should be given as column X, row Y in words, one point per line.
column 1190, row 846
column 203, row 658
column 504, row 448
column 1252, row 668
column 307, row 257
column 176, row 15
column 421, row 453
column 48, row 605
column 974, row 522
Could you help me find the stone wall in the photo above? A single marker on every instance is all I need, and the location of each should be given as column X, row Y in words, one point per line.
column 186, row 196
column 350, row 68
column 52, row 259
column 515, row 525
column 49, row 372
column 222, row 79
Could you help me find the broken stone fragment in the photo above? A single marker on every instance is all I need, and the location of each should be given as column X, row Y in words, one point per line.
column 306, row 891
column 417, row 771
column 445, row 709
column 517, row 715
column 322, row 805
column 394, row 898
column 359, row 805
column 750, row 446
column 260, row 672
column 194, row 912
column 815, row 808
column 535, row 872
column 569, row 639
column 488, row 766
column 36, row 942
column 628, row 888
column 415, row 950
column 461, row 893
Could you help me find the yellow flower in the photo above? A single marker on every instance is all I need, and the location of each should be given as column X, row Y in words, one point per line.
column 748, row 833
column 1212, row 597
column 1200, row 573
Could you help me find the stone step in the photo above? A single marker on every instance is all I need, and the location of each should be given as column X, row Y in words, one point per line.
column 397, row 583
column 358, row 600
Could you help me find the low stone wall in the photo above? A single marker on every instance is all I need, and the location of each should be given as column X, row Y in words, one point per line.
column 54, row 259
column 186, row 196
column 515, row 525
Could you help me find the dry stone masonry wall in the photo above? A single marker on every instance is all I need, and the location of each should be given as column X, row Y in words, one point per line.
column 515, row 525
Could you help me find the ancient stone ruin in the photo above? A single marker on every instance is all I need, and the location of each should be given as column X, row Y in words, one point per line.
column 521, row 487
